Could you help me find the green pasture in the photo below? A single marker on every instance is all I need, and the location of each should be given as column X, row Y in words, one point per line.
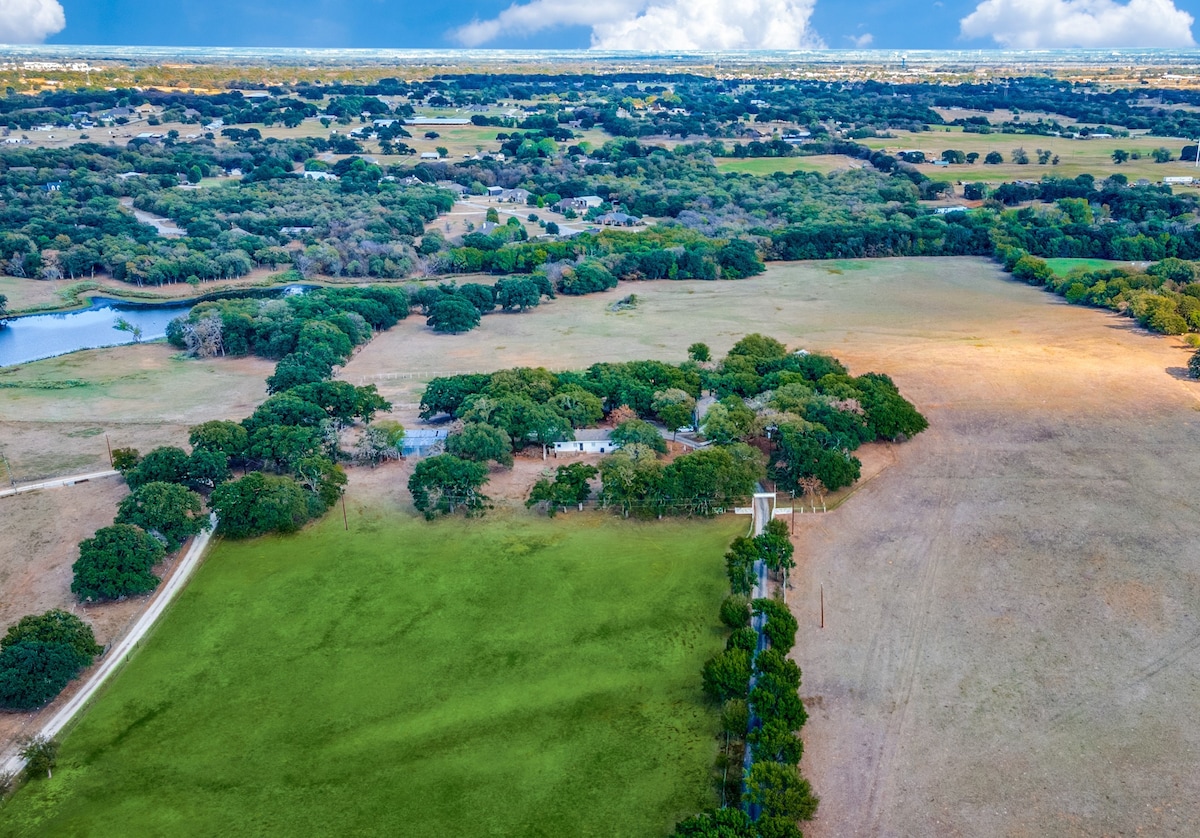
column 1062, row 267
column 505, row 676
column 764, row 166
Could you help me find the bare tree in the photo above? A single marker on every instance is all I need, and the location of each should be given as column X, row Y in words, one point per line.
column 204, row 338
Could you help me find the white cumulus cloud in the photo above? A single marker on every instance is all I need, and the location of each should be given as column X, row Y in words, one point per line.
column 658, row 24
column 30, row 21
column 862, row 41
column 1045, row 24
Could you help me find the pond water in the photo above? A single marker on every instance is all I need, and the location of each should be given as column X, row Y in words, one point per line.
column 38, row 336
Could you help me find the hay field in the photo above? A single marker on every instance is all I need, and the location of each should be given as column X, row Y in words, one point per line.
column 1012, row 646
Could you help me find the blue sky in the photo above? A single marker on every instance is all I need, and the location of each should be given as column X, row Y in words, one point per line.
column 635, row 24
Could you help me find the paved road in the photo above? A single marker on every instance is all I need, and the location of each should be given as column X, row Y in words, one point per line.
column 57, row 482
column 11, row 761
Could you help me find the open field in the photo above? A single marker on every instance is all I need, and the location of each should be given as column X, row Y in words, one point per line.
column 1012, row 642
column 509, row 676
column 763, row 166
column 54, row 413
column 1062, row 267
column 1076, row 157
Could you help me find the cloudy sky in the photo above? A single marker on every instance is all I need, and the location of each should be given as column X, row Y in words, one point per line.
column 609, row 24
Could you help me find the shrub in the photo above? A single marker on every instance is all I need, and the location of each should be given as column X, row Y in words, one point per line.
column 735, row 611
column 116, row 563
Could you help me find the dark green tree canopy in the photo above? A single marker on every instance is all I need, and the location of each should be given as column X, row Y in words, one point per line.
column 173, row 512
column 54, row 626
column 258, row 504
column 444, row 483
column 116, row 562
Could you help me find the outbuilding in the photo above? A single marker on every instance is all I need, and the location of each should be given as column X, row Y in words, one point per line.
column 588, row 441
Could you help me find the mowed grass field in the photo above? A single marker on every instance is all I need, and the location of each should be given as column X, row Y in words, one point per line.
column 505, row 676
column 1062, row 267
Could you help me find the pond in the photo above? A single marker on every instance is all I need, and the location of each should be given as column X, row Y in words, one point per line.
column 39, row 336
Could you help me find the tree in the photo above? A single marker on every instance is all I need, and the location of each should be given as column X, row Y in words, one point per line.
column 699, row 352
column 32, row 673
column 379, row 442
column 1162, row 155
column 674, row 408
column 727, row 675
column 972, row 157
column 719, row 823
column 492, row 216
column 1119, row 156
column 781, row 625
column 1194, row 365
column 3, row 308
column 516, row 293
column 229, row 438
column 570, row 487
column 258, row 504
column 442, row 484
column 775, row 546
column 776, row 741
column 168, row 510
column 453, row 315
column 739, row 564
column 124, row 459
column 54, row 626
column 116, row 562
column 282, row 445
column 1020, row 157
column 40, row 754
column 447, row 393
column 993, row 158
column 166, row 464
column 580, row 407
column 781, row 792
column 480, row 442
column 735, row 611
column 638, row 432
column 739, row 259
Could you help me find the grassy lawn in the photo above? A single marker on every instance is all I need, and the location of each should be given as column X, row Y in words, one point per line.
column 764, row 166
column 507, row 676
column 1062, row 267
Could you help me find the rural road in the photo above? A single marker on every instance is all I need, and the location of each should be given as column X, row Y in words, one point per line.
column 11, row 761
column 57, row 482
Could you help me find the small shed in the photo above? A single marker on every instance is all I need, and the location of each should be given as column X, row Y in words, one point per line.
column 423, row 442
column 588, row 441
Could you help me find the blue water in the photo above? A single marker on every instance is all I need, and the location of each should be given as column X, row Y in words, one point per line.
column 38, row 336
column 47, row 335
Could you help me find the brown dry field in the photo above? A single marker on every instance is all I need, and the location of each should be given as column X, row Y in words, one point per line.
column 140, row 396
column 1012, row 641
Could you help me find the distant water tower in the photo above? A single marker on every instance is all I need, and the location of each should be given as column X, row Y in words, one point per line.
column 903, row 62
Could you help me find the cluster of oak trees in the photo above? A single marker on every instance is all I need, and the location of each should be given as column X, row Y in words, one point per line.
column 794, row 416
column 1163, row 297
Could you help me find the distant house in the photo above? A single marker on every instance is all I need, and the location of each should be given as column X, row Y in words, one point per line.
column 456, row 188
column 430, row 155
column 423, row 442
column 618, row 219
column 1182, row 180
column 948, row 210
column 320, row 176
column 412, row 180
column 53, row 186
column 495, row 191
column 589, row 441
column 515, row 196
column 583, row 202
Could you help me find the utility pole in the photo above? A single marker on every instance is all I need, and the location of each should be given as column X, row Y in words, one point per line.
column 822, row 606
column 109, row 446
column 345, row 519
